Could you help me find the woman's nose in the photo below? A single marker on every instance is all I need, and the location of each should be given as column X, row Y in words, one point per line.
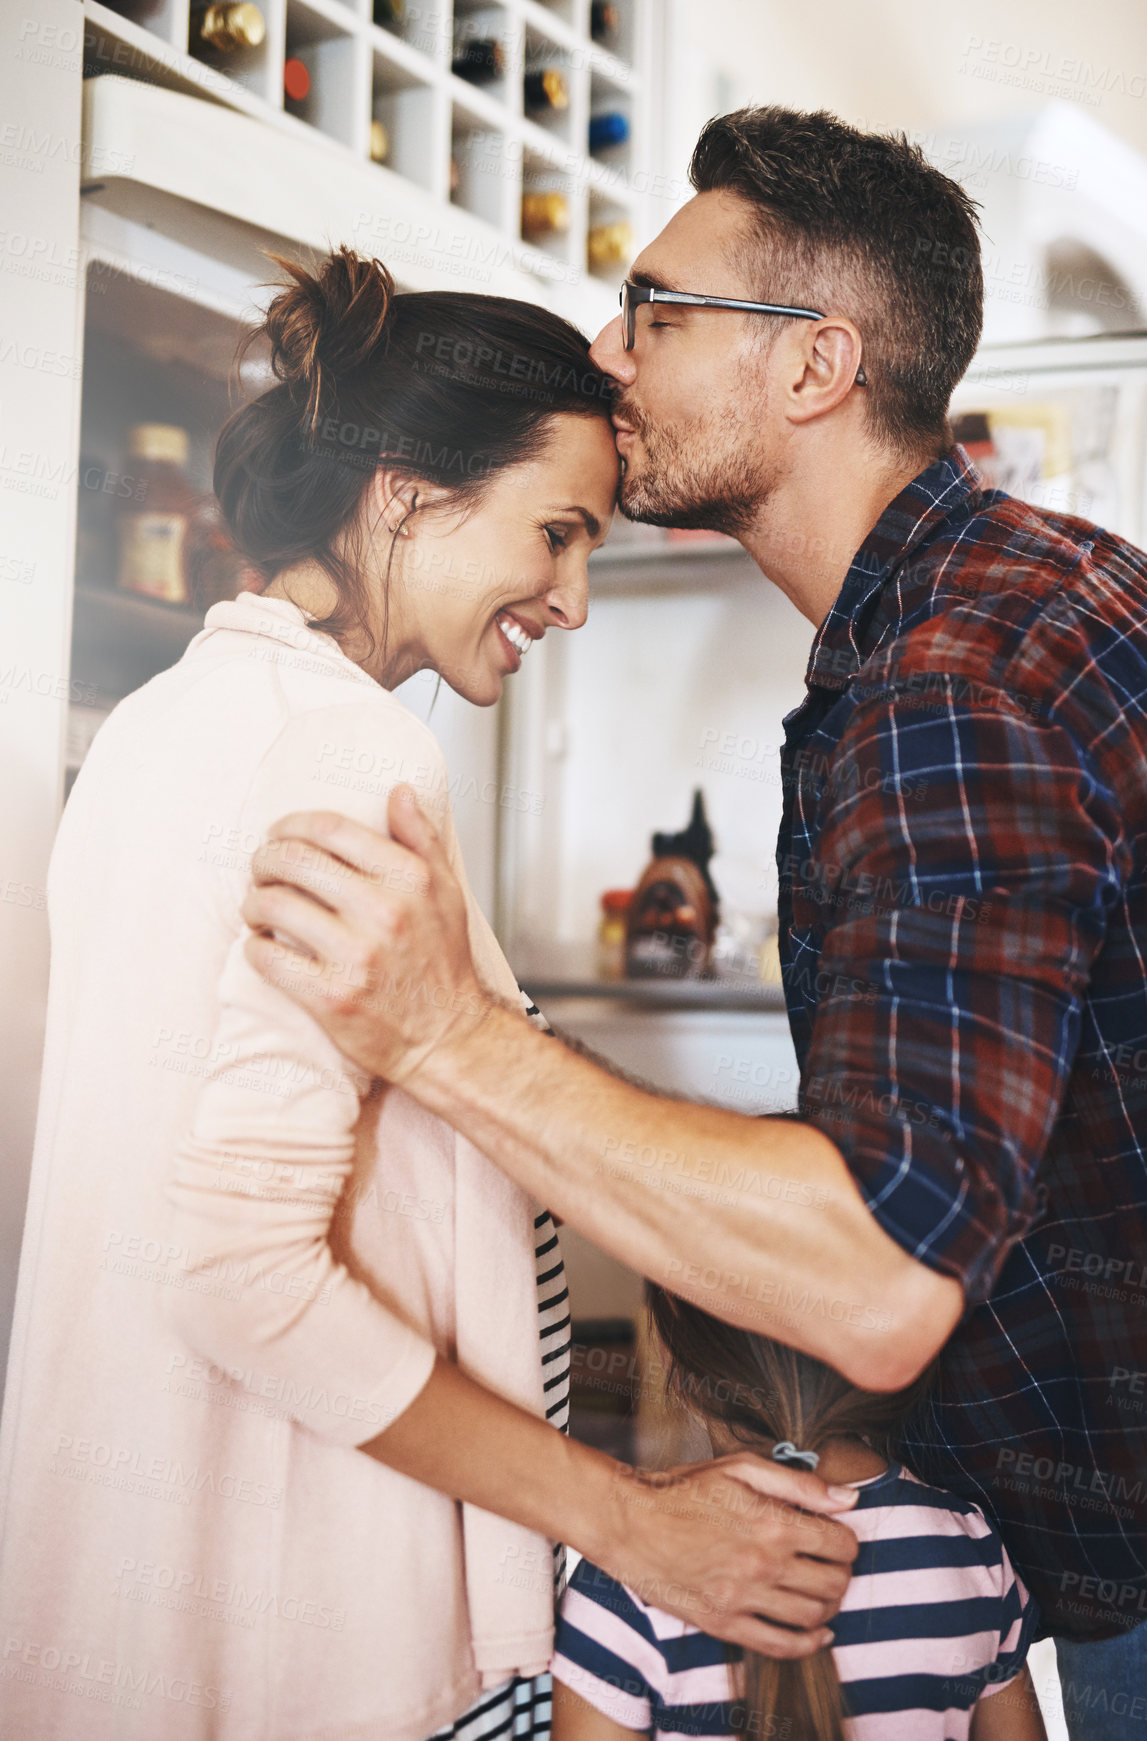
column 568, row 602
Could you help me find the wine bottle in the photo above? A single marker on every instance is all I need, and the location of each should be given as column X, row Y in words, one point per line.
column 389, row 11
column 455, row 176
column 604, row 21
column 609, row 245
column 546, row 89
column 296, row 82
column 379, row 142
column 608, row 129
column 545, row 214
column 225, row 27
column 479, row 60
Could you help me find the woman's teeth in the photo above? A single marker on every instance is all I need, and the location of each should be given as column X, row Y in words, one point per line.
column 514, row 633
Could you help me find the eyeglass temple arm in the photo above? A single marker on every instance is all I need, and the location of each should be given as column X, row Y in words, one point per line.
column 732, row 302
column 651, row 294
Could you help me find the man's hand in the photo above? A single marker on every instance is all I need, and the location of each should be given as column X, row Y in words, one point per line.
column 734, row 1545
column 368, row 934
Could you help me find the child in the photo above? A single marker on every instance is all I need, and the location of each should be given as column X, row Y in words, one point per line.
column 930, row 1640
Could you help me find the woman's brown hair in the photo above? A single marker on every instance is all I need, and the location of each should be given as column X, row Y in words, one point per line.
column 451, row 387
column 759, row 1391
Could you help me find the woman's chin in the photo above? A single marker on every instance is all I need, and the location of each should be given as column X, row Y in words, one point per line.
column 479, row 688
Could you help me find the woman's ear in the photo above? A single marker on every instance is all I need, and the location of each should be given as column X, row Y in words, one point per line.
column 393, row 497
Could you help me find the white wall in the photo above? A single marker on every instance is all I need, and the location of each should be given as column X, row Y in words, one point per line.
column 39, row 412
column 664, row 694
column 915, row 64
column 989, row 90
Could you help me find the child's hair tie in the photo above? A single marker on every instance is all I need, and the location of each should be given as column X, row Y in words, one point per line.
column 786, row 1452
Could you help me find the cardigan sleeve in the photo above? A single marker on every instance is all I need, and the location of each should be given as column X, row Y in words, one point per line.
column 258, row 1174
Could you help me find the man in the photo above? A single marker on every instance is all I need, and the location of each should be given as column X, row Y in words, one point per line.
column 963, row 883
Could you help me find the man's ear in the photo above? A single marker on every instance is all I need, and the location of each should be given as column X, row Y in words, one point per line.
column 829, row 356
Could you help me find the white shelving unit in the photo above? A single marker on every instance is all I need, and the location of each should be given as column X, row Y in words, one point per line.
column 400, row 74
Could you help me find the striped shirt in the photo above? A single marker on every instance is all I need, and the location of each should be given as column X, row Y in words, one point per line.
column 933, row 1619
column 963, row 938
column 523, row 1707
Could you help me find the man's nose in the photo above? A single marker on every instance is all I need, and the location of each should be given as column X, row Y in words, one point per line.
column 610, row 354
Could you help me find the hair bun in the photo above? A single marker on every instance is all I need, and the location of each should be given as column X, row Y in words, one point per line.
column 327, row 324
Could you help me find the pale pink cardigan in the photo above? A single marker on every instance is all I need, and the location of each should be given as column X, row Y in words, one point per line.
column 239, row 1261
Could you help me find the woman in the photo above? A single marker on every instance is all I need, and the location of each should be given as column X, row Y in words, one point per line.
column 265, row 1304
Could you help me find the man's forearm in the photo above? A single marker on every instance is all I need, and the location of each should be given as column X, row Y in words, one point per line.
column 757, row 1220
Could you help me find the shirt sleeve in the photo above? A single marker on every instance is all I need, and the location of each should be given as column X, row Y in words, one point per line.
column 271, row 1143
column 963, row 876
column 604, row 1648
column 1019, row 1617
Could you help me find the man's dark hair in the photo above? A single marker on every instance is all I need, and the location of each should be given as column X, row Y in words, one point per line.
column 859, row 224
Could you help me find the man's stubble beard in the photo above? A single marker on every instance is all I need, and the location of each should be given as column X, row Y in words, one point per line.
column 709, row 479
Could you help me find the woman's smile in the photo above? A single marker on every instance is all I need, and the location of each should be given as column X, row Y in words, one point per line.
column 515, row 633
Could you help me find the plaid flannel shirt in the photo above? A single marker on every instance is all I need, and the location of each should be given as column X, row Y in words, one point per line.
column 963, row 931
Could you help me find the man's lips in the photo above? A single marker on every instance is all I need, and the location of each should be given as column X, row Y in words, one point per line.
column 623, row 433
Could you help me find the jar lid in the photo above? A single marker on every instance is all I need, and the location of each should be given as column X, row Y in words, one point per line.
column 617, row 900
column 158, row 441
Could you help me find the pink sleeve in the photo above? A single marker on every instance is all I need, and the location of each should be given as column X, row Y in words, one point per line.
column 1019, row 1613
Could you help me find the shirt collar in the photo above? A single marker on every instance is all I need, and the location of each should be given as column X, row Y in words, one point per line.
column 280, row 620
column 909, row 522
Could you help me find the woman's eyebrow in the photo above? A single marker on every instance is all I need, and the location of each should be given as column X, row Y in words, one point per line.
column 590, row 521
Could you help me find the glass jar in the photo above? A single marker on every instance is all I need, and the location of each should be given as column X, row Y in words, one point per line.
column 611, row 932
column 153, row 521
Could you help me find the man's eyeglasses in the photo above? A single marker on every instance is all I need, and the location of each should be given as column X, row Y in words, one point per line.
column 632, row 295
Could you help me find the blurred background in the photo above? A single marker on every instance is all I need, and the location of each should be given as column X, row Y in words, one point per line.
column 530, row 148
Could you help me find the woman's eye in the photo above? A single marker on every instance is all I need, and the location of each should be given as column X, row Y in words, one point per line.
column 556, row 539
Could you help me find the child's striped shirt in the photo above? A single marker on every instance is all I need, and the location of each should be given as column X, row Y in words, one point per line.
column 934, row 1618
